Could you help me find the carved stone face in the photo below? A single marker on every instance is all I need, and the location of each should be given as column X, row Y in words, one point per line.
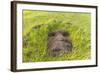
column 59, row 43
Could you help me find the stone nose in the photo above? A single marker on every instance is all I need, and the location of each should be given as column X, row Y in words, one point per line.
column 60, row 37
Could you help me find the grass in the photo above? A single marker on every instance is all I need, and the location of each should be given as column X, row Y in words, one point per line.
column 37, row 24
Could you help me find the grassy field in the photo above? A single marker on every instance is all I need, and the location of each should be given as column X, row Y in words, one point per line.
column 37, row 24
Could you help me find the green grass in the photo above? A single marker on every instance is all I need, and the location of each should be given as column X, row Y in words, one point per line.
column 37, row 25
